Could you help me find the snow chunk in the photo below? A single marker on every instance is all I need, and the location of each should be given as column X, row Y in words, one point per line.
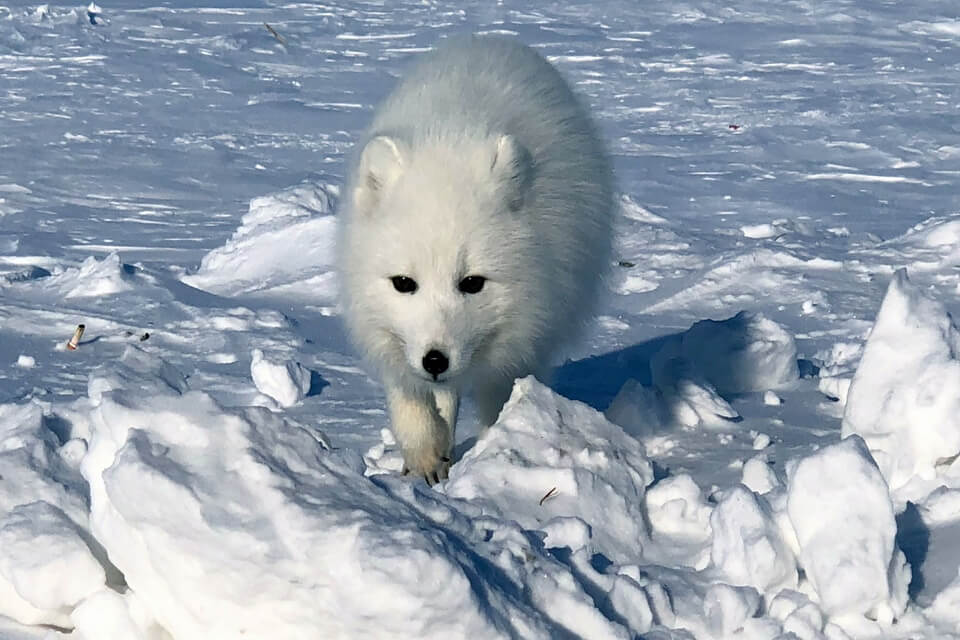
column 726, row 608
column 93, row 278
column 761, row 442
column 677, row 509
column 835, row 388
column 758, row 476
column 286, row 382
column 46, row 567
column 905, row 402
column 748, row 352
column 798, row 614
column 771, row 399
column 759, row 231
column 840, row 489
column 566, row 532
column 748, row 549
column 284, row 246
column 542, row 442
column 26, row 362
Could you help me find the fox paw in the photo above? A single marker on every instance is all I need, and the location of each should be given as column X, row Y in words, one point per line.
column 432, row 467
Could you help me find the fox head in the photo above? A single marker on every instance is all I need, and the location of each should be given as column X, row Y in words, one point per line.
column 439, row 260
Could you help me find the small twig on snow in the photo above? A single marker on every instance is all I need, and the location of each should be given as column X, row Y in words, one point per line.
column 550, row 494
column 276, row 35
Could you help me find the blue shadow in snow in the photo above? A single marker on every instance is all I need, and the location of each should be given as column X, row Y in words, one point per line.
column 597, row 379
column 317, row 384
column 913, row 538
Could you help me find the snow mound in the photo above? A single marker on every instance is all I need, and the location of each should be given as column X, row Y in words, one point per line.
column 548, row 457
column 287, row 382
column 748, row 352
column 840, row 509
column 240, row 522
column 93, row 278
column 46, row 567
column 932, row 245
column 31, row 468
column 693, row 370
column 229, row 523
column 136, row 370
column 284, row 247
column 937, row 232
column 905, row 402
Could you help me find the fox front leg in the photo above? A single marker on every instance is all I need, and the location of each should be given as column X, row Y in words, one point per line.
column 423, row 423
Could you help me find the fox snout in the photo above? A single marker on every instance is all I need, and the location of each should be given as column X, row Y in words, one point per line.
column 435, row 362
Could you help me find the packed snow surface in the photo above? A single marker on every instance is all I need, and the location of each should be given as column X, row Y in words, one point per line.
column 757, row 439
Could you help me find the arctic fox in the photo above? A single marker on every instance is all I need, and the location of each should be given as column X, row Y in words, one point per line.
column 475, row 228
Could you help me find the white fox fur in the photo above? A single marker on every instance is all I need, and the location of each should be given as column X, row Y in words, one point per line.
column 481, row 162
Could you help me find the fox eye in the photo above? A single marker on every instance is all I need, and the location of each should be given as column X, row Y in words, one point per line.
column 472, row 284
column 403, row 284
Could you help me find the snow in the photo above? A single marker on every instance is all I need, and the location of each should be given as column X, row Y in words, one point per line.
column 93, row 278
column 748, row 352
column 758, row 476
column 692, row 370
column 748, row 547
column 566, row 459
column 905, row 402
column 259, row 259
column 762, row 440
column 757, row 438
column 861, row 571
column 286, row 382
column 44, row 588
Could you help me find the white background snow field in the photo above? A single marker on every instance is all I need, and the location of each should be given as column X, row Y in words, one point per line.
column 759, row 439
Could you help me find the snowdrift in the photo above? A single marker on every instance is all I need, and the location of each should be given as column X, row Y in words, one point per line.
column 172, row 516
column 283, row 247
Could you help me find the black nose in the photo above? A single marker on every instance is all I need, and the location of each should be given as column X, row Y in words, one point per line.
column 435, row 363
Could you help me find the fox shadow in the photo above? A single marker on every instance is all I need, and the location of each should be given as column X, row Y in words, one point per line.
column 596, row 380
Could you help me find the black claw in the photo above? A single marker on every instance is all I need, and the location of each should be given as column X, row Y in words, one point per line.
column 436, row 478
column 405, row 471
column 445, row 459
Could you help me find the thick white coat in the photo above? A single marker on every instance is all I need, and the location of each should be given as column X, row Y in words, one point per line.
column 480, row 162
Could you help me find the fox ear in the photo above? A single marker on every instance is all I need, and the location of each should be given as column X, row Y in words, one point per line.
column 381, row 163
column 512, row 166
